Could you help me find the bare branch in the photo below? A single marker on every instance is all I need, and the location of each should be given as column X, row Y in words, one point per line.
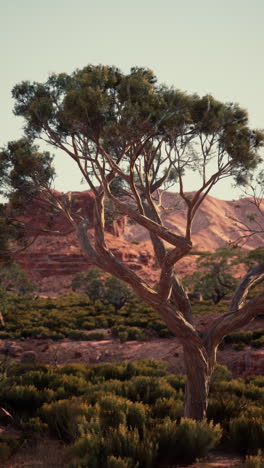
column 251, row 279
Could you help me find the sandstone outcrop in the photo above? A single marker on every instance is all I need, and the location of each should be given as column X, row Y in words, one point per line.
column 52, row 260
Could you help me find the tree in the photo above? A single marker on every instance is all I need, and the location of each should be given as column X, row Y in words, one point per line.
column 213, row 276
column 108, row 289
column 114, row 125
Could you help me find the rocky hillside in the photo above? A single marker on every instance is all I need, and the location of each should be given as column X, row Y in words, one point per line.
column 52, row 260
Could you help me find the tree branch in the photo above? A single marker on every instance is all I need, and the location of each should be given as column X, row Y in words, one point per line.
column 251, row 279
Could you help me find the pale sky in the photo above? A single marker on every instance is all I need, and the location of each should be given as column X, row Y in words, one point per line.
column 205, row 47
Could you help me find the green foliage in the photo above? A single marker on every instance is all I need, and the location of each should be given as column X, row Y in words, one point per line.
column 240, row 339
column 254, row 461
column 186, row 441
column 64, row 417
column 220, row 373
column 118, row 462
column 128, row 413
column 24, row 398
column 120, row 109
column 107, row 289
column 213, row 276
column 247, row 434
column 71, row 315
column 13, row 278
column 34, row 427
column 254, row 257
column 25, row 169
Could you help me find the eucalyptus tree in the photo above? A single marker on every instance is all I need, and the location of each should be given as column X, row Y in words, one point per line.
column 130, row 128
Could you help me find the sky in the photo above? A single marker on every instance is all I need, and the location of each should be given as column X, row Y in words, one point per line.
column 204, row 47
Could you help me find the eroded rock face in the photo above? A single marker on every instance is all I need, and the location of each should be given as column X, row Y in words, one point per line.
column 252, row 363
column 58, row 258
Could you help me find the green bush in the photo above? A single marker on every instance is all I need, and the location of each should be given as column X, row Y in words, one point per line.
column 224, row 406
column 112, row 411
column 126, row 413
column 247, row 434
column 220, row 373
column 168, row 407
column 149, row 389
column 66, row 417
column 186, row 441
column 117, row 462
column 95, row 336
column 25, row 398
column 34, row 426
column 254, row 461
column 257, row 381
column 94, row 449
column 258, row 343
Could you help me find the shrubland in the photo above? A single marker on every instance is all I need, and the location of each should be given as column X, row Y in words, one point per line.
column 128, row 414
column 78, row 317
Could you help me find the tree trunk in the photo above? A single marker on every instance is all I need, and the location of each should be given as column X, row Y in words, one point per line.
column 197, row 384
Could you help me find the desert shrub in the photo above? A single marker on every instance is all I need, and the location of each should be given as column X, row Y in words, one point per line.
column 220, row 373
column 186, row 441
column 95, row 336
column 117, row 462
column 254, row 461
column 25, row 398
column 149, row 389
column 4, row 335
column 79, row 370
column 94, row 449
column 258, row 343
column 39, row 379
column 112, row 411
column 247, row 434
column 125, row 370
column 235, row 386
column 137, row 416
column 135, row 333
column 223, row 406
column 239, row 337
column 257, row 381
column 167, row 407
column 253, row 338
column 65, row 417
column 88, row 324
column 73, row 385
column 34, row 427
column 177, row 382
column 254, row 393
column 124, row 333
column 77, row 335
column 123, row 336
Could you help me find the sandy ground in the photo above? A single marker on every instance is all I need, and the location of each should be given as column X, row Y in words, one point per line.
column 111, row 350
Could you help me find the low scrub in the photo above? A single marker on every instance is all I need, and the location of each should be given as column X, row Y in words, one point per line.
column 128, row 414
column 247, row 434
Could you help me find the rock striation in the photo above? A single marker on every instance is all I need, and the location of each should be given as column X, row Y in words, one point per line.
column 52, row 260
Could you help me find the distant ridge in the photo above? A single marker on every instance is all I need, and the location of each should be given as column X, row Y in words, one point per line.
column 52, row 261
